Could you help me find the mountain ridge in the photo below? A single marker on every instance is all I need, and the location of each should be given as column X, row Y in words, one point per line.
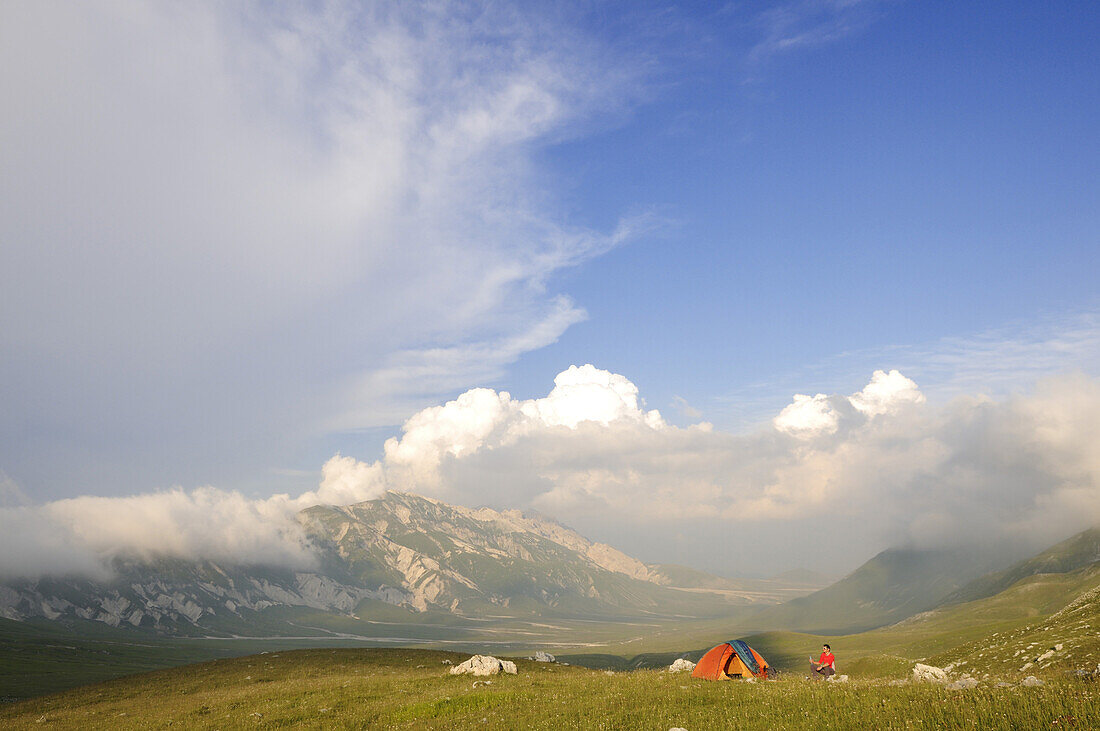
column 892, row 585
column 1078, row 551
column 401, row 550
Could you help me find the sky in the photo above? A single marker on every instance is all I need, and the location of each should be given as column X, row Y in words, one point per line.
column 796, row 267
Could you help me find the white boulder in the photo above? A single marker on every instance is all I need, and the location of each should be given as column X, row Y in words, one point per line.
column 541, row 656
column 680, row 665
column 929, row 673
column 837, row 678
column 1031, row 681
column 481, row 665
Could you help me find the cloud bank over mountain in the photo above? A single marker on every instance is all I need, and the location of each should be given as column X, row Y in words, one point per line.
column 879, row 467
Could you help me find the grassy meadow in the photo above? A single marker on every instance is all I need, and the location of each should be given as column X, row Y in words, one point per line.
column 1044, row 625
column 391, row 688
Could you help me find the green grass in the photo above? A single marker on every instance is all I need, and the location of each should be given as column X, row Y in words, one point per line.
column 996, row 635
column 991, row 635
column 990, row 638
column 378, row 688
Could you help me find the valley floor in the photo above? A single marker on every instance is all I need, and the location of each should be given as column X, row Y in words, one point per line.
column 391, row 688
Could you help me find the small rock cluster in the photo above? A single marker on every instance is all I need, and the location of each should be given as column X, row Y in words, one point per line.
column 933, row 674
column 1042, row 659
column 1080, row 674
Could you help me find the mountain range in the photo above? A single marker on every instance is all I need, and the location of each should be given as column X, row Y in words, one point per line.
column 393, row 558
column 899, row 583
column 405, row 560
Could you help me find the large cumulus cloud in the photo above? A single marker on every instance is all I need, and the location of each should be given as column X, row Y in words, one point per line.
column 882, row 464
column 875, row 468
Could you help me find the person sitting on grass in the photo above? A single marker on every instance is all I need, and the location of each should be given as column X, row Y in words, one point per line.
column 825, row 665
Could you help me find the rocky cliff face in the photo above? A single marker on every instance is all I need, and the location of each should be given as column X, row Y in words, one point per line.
column 451, row 557
column 172, row 596
column 401, row 550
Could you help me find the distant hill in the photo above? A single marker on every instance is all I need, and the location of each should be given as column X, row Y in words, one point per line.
column 387, row 559
column 670, row 574
column 1071, row 554
column 1062, row 637
column 895, row 584
column 1038, row 615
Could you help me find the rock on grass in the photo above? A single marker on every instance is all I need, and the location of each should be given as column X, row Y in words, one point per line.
column 480, row 665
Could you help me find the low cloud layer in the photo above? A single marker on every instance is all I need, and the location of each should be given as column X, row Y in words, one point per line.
column 831, row 478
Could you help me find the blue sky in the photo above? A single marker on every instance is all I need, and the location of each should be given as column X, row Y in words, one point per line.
column 930, row 173
column 239, row 240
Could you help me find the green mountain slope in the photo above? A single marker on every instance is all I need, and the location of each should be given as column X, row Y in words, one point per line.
column 895, row 584
column 1073, row 553
column 1043, row 623
column 1067, row 638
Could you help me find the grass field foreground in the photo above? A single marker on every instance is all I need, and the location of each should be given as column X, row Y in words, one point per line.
column 413, row 689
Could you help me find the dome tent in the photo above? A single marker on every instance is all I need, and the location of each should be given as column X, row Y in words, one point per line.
column 733, row 659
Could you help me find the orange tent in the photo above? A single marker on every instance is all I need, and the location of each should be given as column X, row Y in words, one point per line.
column 733, row 659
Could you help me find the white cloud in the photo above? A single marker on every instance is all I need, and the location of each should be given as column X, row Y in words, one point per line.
column 10, row 492
column 589, row 454
column 35, row 546
column 886, row 393
column 204, row 522
column 483, row 418
column 998, row 363
column 685, row 409
column 229, row 228
column 801, row 24
column 587, row 393
column 808, row 415
column 881, row 462
column 344, row 481
column 811, row 416
column 224, row 525
column 888, row 468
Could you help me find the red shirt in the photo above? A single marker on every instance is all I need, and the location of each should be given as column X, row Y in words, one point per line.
column 827, row 659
